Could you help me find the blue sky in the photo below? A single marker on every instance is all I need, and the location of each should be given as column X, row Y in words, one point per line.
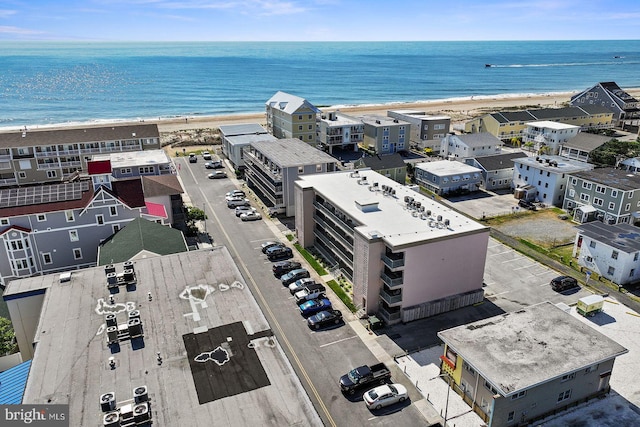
column 318, row 20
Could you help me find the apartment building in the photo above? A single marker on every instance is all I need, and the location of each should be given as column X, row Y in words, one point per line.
column 548, row 136
column 338, row 130
column 606, row 194
column 289, row 116
column 497, row 171
column 44, row 156
column 448, row 176
column 426, row 130
column 401, row 250
column 385, row 135
column 507, row 125
column 544, row 178
column 460, row 147
column 237, row 137
column 609, row 250
column 610, row 96
column 516, row 368
column 272, row 167
column 136, row 163
column 392, row 166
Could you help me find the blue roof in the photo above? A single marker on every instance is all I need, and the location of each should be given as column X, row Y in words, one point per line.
column 13, row 382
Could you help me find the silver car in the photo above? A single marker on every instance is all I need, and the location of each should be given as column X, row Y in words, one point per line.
column 385, row 395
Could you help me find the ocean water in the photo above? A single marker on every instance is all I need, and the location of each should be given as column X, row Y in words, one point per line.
column 45, row 83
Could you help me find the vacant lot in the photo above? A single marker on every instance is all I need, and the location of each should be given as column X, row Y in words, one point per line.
column 543, row 228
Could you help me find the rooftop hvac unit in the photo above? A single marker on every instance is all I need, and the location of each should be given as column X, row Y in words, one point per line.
column 112, row 280
column 135, row 328
column 128, row 265
column 112, row 419
column 418, row 204
column 134, row 314
column 406, row 199
column 375, row 184
column 421, row 208
column 393, row 192
column 141, row 412
column 447, row 222
column 109, row 269
column 129, row 275
column 108, row 401
column 439, row 218
column 112, row 334
column 140, row 394
column 428, row 212
column 111, row 320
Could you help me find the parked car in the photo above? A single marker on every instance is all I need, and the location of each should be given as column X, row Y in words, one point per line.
column 294, row 275
column 234, row 195
column 385, row 395
column 279, row 253
column 283, row 267
column 214, row 165
column 526, row 204
column 267, row 245
column 193, row 158
column 300, row 284
column 364, row 375
column 244, row 209
column 562, row 283
column 206, row 155
column 313, row 291
column 250, row 216
column 324, row 318
column 217, row 175
column 234, row 203
column 313, row 306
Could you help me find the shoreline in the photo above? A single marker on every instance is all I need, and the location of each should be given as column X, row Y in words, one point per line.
column 459, row 108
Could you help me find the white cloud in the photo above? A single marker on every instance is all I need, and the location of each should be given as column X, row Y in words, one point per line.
column 5, row 29
column 5, row 13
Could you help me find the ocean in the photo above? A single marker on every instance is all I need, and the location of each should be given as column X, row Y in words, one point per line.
column 44, row 83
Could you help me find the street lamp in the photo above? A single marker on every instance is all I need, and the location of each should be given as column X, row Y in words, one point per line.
column 446, row 405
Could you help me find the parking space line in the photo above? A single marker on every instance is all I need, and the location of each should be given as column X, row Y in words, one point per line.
column 501, row 253
column 526, row 266
column 338, row 341
column 509, row 260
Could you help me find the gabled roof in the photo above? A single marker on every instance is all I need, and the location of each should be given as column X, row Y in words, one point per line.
column 554, row 113
column 614, row 178
column 161, row 185
column 13, row 382
column 586, row 141
column 141, row 235
column 290, row 103
column 80, row 196
column 77, row 135
column 499, row 161
column 129, row 191
column 478, row 139
column 512, row 116
column 15, row 227
column 624, row 237
column 390, row 161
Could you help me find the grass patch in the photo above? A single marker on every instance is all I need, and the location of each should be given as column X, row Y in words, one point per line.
column 346, row 299
column 311, row 260
column 290, row 237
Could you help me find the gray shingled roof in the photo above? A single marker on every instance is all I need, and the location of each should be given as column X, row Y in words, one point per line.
column 615, row 178
column 554, row 113
column 289, row 152
column 624, row 237
column 499, row 161
column 478, row 139
column 586, row 141
column 512, row 116
column 383, row 162
column 242, row 129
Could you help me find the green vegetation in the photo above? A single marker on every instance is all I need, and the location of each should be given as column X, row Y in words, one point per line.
column 290, row 237
column 194, row 214
column 612, row 151
column 6, row 337
column 311, row 260
column 344, row 297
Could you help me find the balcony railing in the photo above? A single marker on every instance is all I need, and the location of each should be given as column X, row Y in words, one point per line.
column 392, row 282
column 330, row 230
column 389, row 316
column 337, row 252
column 391, row 300
column 8, row 181
column 346, row 227
column 392, row 262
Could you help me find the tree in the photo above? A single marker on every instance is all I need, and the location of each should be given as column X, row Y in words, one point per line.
column 609, row 152
column 6, row 336
column 194, row 214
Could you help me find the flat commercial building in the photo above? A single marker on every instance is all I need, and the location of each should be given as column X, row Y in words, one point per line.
column 175, row 340
column 407, row 256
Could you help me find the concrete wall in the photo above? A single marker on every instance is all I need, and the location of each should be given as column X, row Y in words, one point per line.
column 25, row 316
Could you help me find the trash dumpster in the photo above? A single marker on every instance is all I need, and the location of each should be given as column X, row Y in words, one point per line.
column 589, row 306
column 375, row 323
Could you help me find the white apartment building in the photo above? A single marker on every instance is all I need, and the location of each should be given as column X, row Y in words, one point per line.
column 337, row 130
column 549, row 134
column 459, row 147
column 544, row 178
column 407, row 256
column 609, row 250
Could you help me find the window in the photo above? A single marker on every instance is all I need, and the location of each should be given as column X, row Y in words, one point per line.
column 627, row 207
column 469, row 369
column 41, row 217
column 310, row 116
column 587, row 185
column 574, row 181
column 632, row 272
column 113, row 211
column 46, row 258
column 635, row 256
column 564, row 395
column 572, row 192
column 73, row 235
column 437, row 126
column 597, row 201
column 300, row 117
column 614, row 193
column 70, row 216
column 511, row 416
column 99, row 219
column 490, row 387
column 22, row 175
column 310, row 127
column 611, row 270
column 519, row 395
column 51, row 174
column 584, row 197
column 546, row 185
column 614, row 254
column 592, row 244
column 612, row 206
column 145, row 170
column 568, row 377
column 4, row 221
column 300, row 169
column 116, row 228
column 590, row 369
column 600, row 189
column 299, row 127
column 77, row 253
column 125, row 171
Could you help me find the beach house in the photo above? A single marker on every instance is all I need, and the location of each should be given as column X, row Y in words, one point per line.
column 547, row 136
column 609, row 95
column 581, row 146
column 236, row 137
column 426, row 130
column 497, row 170
column 385, row 135
column 338, row 130
column 460, row 147
column 289, row 116
column 444, row 177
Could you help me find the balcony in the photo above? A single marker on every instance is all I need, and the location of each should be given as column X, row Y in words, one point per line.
column 391, row 300
column 393, row 261
column 8, row 181
column 336, row 251
column 389, row 316
column 393, row 281
column 330, row 229
column 342, row 224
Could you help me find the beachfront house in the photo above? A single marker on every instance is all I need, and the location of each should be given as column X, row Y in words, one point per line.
column 45, row 156
column 604, row 194
column 272, row 167
column 547, row 136
column 460, row 147
column 444, row 177
column 235, row 138
column 385, row 135
column 406, row 255
column 609, row 250
column 560, row 363
column 289, row 116
column 497, row 170
column 426, row 130
column 609, row 95
column 337, row 130
column 544, row 178
column 507, row 125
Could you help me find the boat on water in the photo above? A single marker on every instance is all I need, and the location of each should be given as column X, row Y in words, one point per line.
column 488, row 65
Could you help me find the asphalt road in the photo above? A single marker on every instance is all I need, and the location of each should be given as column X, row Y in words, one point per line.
column 319, row 358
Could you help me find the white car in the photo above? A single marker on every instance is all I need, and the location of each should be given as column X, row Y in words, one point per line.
column 250, row 216
column 235, row 194
column 217, row 175
column 206, row 155
column 244, row 209
column 385, row 395
column 299, row 285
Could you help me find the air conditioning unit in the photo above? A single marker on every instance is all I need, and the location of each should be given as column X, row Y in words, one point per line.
column 109, row 269
column 108, row 402
column 135, row 328
column 112, row 335
column 134, row 314
column 141, row 412
column 111, row 320
column 140, row 394
column 112, row 419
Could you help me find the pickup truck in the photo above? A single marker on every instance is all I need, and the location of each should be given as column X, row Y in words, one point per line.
column 311, row 291
column 363, row 376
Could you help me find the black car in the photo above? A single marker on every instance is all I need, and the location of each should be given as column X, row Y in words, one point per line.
column 282, row 267
column 293, row 275
column 267, row 245
column 279, row 253
column 562, row 283
column 324, row 318
column 526, row 204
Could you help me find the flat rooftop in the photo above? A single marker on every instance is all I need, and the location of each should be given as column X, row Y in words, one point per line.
column 552, row 125
column 220, row 364
column 447, row 167
column 127, row 159
column 524, row 348
column 242, row 129
column 555, row 164
column 419, row 114
column 387, row 215
column 247, row 139
column 290, row 152
column 340, row 119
